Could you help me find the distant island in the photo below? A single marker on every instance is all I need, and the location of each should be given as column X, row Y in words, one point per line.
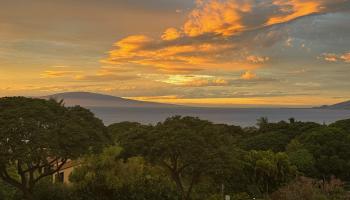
column 342, row 106
column 88, row 99
column 112, row 109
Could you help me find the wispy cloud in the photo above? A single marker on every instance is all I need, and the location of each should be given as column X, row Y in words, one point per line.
column 231, row 17
column 57, row 73
column 105, row 77
column 248, row 75
column 333, row 57
column 207, row 83
column 257, row 59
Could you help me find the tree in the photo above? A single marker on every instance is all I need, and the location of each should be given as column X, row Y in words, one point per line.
column 276, row 136
column 105, row 177
column 267, row 170
column 342, row 124
column 263, row 123
column 330, row 147
column 292, row 120
column 301, row 158
column 275, row 141
column 6, row 191
column 120, row 131
column 38, row 136
column 132, row 137
column 186, row 148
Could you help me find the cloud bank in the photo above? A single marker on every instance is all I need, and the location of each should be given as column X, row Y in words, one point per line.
column 218, row 34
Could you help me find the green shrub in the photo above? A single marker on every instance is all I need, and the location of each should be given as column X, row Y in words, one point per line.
column 6, row 192
column 47, row 191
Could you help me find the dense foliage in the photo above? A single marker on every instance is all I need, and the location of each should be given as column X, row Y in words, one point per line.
column 182, row 158
column 37, row 137
column 113, row 178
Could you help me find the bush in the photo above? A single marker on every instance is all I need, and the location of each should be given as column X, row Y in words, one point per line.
column 105, row 177
column 45, row 190
column 6, row 191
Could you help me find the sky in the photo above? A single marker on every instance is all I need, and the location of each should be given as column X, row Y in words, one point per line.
column 232, row 53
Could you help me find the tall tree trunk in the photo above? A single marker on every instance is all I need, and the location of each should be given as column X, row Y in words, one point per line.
column 180, row 188
column 28, row 194
column 192, row 183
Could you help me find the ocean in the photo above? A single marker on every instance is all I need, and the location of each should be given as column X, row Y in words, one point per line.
column 235, row 116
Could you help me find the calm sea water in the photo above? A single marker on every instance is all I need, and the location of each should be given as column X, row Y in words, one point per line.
column 236, row 116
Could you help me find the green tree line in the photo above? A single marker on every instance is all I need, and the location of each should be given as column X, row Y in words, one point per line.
column 181, row 158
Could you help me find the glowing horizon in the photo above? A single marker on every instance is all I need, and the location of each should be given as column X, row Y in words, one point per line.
column 192, row 52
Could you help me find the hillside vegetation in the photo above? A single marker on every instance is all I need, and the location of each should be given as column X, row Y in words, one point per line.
column 182, row 158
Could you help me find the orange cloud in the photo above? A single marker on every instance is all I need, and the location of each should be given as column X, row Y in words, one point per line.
column 219, row 17
column 229, row 17
column 171, row 34
column 206, row 83
column 214, row 36
column 143, row 51
column 195, row 80
column 248, row 75
column 257, row 59
column 105, row 77
column 292, row 9
column 345, row 57
column 56, row 73
column 332, row 57
column 133, row 42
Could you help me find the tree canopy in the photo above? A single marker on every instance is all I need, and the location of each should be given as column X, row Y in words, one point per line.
column 186, row 147
column 38, row 136
column 330, row 147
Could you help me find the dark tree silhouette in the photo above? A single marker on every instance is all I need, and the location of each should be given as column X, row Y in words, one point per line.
column 38, row 136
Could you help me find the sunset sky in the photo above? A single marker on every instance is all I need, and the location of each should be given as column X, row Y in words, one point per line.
column 203, row 52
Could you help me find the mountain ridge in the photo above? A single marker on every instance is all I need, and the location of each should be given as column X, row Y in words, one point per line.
column 89, row 99
column 341, row 105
